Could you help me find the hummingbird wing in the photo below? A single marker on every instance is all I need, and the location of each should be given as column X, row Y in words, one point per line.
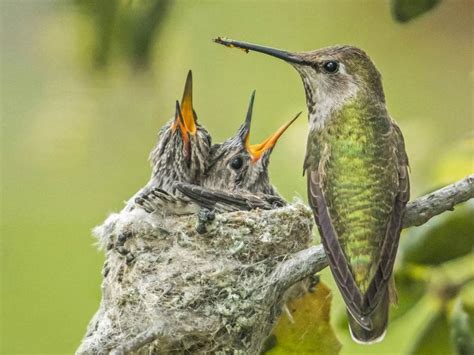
column 340, row 267
column 380, row 218
column 225, row 201
column 390, row 245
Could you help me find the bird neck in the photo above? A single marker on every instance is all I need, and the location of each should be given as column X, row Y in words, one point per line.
column 323, row 103
column 324, row 109
column 168, row 162
column 169, row 170
column 260, row 183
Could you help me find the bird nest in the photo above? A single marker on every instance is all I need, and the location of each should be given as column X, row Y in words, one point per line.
column 168, row 289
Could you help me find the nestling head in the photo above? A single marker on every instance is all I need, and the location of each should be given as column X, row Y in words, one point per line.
column 182, row 148
column 236, row 164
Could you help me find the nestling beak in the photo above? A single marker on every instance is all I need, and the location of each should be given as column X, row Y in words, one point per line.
column 187, row 111
column 244, row 130
column 256, row 151
column 179, row 122
column 286, row 56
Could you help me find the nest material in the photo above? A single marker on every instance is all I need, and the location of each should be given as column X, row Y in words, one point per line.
column 193, row 292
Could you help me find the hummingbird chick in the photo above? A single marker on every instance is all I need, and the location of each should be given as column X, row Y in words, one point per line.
column 357, row 174
column 180, row 154
column 237, row 176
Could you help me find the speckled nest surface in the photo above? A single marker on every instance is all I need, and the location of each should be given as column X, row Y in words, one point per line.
column 193, row 292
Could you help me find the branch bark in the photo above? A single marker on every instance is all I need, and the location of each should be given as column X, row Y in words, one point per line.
column 312, row 260
column 426, row 207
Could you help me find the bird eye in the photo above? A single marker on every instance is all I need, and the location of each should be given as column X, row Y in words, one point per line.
column 236, row 163
column 331, row 67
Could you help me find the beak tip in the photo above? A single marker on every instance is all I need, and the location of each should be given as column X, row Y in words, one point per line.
column 186, row 107
column 221, row 40
column 248, row 118
column 178, row 110
column 231, row 43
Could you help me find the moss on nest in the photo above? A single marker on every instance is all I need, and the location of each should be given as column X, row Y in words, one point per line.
column 201, row 292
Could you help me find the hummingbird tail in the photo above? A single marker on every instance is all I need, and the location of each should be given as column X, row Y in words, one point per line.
column 379, row 320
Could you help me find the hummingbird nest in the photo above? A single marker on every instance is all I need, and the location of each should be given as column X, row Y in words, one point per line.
column 168, row 289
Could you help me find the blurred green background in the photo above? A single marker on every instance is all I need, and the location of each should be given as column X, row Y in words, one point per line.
column 86, row 85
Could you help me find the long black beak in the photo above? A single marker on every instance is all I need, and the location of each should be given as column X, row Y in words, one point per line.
column 278, row 53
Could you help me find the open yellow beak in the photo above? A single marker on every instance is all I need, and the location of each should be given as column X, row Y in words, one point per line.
column 179, row 122
column 257, row 150
column 185, row 118
column 187, row 111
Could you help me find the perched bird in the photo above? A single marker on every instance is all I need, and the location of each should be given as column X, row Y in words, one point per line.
column 357, row 171
column 237, row 176
column 181, row 153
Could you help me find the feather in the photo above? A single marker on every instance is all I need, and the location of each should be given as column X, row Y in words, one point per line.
column 229, row 201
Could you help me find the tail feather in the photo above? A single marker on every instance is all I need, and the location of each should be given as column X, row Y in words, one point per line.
column 378, row 319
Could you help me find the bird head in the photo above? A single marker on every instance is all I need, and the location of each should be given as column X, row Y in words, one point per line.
column 236, row 164
column 182, row 150
column 332, row 76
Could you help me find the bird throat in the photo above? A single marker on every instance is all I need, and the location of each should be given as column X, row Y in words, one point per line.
column 324, row 100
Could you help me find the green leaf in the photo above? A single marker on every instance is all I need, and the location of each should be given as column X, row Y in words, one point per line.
column 308, row 331
column 104, row 15
column 444, row 238
column 434, row 339
column 462, row 328
column 406, row 10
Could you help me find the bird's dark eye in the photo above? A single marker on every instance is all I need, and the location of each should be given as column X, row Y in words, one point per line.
column 331, row 67
column 236, row 163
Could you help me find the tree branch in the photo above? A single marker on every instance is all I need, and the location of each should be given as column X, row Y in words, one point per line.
column 426, row 207
column 312, row 260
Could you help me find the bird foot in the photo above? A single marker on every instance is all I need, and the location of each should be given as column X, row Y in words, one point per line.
column 204, row 217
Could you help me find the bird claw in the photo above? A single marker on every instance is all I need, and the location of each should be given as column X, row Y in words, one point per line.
column 204, row 217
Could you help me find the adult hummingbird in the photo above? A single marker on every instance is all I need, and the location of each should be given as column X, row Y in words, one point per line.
column 180, row 154
column 237, row 176
column 357, row 174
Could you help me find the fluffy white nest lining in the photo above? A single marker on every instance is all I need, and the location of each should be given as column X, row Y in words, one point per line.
column 168, row 289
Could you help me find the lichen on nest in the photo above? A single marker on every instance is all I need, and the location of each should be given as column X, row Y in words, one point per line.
column 203, row 292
